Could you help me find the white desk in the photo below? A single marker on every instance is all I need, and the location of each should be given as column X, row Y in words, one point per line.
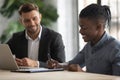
column 59, row 75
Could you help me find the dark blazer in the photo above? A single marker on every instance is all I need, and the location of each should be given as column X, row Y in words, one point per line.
column 50, row 42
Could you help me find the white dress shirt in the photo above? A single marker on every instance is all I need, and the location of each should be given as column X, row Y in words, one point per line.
column 33, row 46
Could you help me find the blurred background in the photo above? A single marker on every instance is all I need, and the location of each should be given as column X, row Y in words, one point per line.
column 59, row 15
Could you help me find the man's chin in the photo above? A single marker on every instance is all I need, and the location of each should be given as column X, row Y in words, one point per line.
column 85, row 40
column 32, row 31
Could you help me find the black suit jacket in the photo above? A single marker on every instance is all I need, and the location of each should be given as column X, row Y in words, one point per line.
column 50, row 42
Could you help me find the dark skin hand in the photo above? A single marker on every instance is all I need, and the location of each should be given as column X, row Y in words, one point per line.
column 74, row 67
column 71, row 67
column 53, row 64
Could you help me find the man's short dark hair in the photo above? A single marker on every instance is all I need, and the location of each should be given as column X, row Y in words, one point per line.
column 27, row 7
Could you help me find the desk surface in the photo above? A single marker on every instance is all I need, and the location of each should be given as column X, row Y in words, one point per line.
column 58, row 75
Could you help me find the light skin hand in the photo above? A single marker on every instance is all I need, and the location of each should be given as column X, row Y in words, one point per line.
column 26, row 62
column 19, row 61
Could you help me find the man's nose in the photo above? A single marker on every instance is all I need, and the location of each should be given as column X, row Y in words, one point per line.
column 32, row 22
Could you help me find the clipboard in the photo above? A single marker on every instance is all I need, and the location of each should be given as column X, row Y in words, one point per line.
column 34, row 70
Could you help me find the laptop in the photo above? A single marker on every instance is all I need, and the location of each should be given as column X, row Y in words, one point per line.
column 7, row 62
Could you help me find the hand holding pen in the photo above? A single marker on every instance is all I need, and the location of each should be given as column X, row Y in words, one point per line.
column 51, row 63
column 49, row 56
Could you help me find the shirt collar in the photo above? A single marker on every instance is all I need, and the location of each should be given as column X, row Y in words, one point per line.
column 101, row 41
column 39, row 35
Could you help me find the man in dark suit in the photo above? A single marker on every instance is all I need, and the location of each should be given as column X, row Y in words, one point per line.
column 33, row 45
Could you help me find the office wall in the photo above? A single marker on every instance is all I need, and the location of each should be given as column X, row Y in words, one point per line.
column 68, row 26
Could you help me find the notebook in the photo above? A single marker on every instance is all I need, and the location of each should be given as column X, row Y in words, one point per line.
column 7, row 62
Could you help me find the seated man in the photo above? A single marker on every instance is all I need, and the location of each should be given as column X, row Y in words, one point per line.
column 32, row 46
column 101, row 54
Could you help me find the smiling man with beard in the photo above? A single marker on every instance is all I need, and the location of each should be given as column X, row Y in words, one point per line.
column 32, row 46
column 101, row 54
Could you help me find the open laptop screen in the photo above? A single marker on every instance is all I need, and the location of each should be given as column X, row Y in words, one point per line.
column 7, row 61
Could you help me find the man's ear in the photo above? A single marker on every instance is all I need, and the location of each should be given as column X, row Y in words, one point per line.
column 40, row 16
column 100, row 25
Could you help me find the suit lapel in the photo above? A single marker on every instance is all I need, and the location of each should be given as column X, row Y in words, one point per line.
column 43, row 45
column 25, row 45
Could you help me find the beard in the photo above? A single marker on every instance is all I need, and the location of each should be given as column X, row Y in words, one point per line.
column 33, row 29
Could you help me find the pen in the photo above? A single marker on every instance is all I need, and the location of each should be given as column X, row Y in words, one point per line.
column 49, row 56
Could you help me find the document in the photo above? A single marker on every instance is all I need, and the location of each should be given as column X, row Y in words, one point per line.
column 32, row 70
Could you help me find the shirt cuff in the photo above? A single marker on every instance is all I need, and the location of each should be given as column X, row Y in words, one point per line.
column 38, row 64
column 64, row 64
